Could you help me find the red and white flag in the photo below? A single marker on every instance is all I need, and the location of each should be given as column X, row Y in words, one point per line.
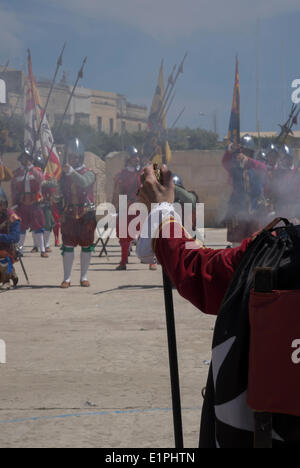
column 43, row 143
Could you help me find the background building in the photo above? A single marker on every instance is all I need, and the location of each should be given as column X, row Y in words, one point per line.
column 107, row 112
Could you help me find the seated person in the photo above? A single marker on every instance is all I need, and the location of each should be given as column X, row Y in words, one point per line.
column 9, row 236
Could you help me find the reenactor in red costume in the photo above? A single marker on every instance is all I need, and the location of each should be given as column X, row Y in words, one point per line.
column 127, row 183
column 247, row 175
column 9, row 237
column 219, row 282
column 26, row 197
column 78, row 222
column 285, row 196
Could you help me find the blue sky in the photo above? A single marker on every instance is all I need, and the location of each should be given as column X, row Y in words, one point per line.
column 125, row 41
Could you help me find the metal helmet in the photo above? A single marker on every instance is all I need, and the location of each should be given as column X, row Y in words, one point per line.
column 247, row 143
column 39, row 161
column 177, row 180
column 133, row 151
column 272, row 155
column 272, row 148
column 26, row 154
column 287, row 158
column 3, row 197
column 286, row 151
column 75, row 146
column 262, row 155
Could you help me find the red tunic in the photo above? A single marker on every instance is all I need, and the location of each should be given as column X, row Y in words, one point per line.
column 78, row 221
column 127, row 183
column 26, row 194
column 202, row 276
column 27, row 190
column 241, row 219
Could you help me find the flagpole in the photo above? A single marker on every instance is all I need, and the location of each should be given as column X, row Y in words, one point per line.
column 33, row 101
column 258, row 82
column 58, row 65
column 79, row 76
column 179, row 116
column 172, row 83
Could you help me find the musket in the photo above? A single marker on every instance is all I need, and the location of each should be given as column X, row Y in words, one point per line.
column 58, row 65
column 79, row 76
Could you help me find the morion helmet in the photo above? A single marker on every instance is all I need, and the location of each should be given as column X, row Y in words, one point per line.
column 177, row 180
column 133, row 151
column 26, row 154
column 262, row 156
column 75, row 146
column 287, row 158
column 272, row 148
column 247, row 143
column 39, row 161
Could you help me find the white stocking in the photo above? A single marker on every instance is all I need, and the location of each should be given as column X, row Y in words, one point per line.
column 22, row 241
column 68, row 260
column 39, row 241
column 35, row 245
column 47, row 239
column 85, row 260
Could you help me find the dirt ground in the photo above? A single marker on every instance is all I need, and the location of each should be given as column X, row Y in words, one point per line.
column 89, row 367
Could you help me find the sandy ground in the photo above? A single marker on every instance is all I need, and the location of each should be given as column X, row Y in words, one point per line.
column 89, row 367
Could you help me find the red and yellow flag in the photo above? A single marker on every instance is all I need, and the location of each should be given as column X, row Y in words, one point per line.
column 42, row 143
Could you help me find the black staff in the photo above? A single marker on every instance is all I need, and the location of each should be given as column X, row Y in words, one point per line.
column 173, row 359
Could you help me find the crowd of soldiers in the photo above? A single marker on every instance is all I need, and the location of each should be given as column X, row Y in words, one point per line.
column 265, row 185
column 42, row 204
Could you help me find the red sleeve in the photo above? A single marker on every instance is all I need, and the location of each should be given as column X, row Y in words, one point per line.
column 38, row 174
column 227, row 161
column 256, row 165
column 202, row 276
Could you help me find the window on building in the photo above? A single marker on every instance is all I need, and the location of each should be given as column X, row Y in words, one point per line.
column 123, row 127
column 82, row 119
column 100, row 124
column 140, row 127
column 111, row 126
column 57, row 118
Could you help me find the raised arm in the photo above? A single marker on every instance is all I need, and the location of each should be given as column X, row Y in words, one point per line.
column 201, row 275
